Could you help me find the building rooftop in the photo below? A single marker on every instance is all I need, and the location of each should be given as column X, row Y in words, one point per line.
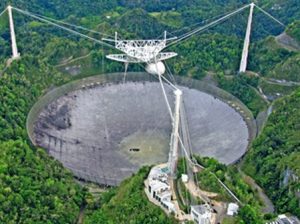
column 201, row 209
column 232, row 209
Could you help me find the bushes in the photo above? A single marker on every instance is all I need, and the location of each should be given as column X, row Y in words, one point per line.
column 274, row 152
column 129, row 205
column 242, row 87
column 35, row 188
column 294, row 30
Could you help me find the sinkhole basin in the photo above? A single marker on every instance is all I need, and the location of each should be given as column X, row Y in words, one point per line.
column 104, row 129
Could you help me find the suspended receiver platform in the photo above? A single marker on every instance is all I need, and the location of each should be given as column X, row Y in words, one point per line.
column 141, row 51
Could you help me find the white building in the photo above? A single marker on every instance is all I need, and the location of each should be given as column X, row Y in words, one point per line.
column 283, row 219
column 201, row 214
column 184, row 178
column 159, row 188
column 232, row 209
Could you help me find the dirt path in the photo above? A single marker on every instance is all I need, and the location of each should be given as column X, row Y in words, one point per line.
column 280, row 82
column 287, row 42
column 268, row 205
column 197, row 192
column 81, row 215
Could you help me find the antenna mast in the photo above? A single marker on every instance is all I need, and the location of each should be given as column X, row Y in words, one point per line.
column 15, row 53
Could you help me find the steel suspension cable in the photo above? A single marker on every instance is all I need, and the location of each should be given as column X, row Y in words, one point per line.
column 189, row 34
column 220, row 18
column 198, row 165
column 164, row 92
column 269, row 15
column 185, row 150
column 72, row 25
column 63, row 28
column 171, row 76
column 3, row 12
column 197, row 24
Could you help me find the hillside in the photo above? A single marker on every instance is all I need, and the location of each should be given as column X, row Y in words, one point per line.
column 273, row 160
column 270, row 59
column 294, row 30
column 34, row 188
column 128, row 202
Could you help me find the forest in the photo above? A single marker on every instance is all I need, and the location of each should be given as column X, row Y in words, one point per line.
column 34, row 188
column 273, row 160
column 128, row 203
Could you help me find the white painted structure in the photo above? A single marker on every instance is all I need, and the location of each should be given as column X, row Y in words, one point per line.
column 156, row 68
column 283, row 219
column 232, row 209
column 173, row 157
column 201, row 214
column 244, row 60
column 15, row 53
column 159, row 187
column 140, row 51
column 184, row 178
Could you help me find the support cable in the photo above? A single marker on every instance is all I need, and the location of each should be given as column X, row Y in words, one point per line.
column 164, row 92
column 71, row 25
column 216, row 19
column 169, row 82
column 186, row 36
column 199, row 23
column 198, row 165
column 3, row 12
column 188, row 157
column 165, row 96
column 269, row 15
column 171, row 76
column 64, row 28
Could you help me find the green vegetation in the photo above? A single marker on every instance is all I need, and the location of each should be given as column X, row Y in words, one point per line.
column 36, row 189
column 266, row 54
column 21, row 85
column 287, row 11
column 184, row 197
column 272, row 89
column 208, row 52
column 243, row 87
column 230, row 220
column 273, row 159
column 129, row 204
column 169, row 18
column 230, row 176
column 271, row 60
column 294, row 30
column 136, row 22
column 287, row 70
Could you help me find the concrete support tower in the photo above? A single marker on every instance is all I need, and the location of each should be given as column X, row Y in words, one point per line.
column 173, row 157
column 15, row 53
column 243, row 65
